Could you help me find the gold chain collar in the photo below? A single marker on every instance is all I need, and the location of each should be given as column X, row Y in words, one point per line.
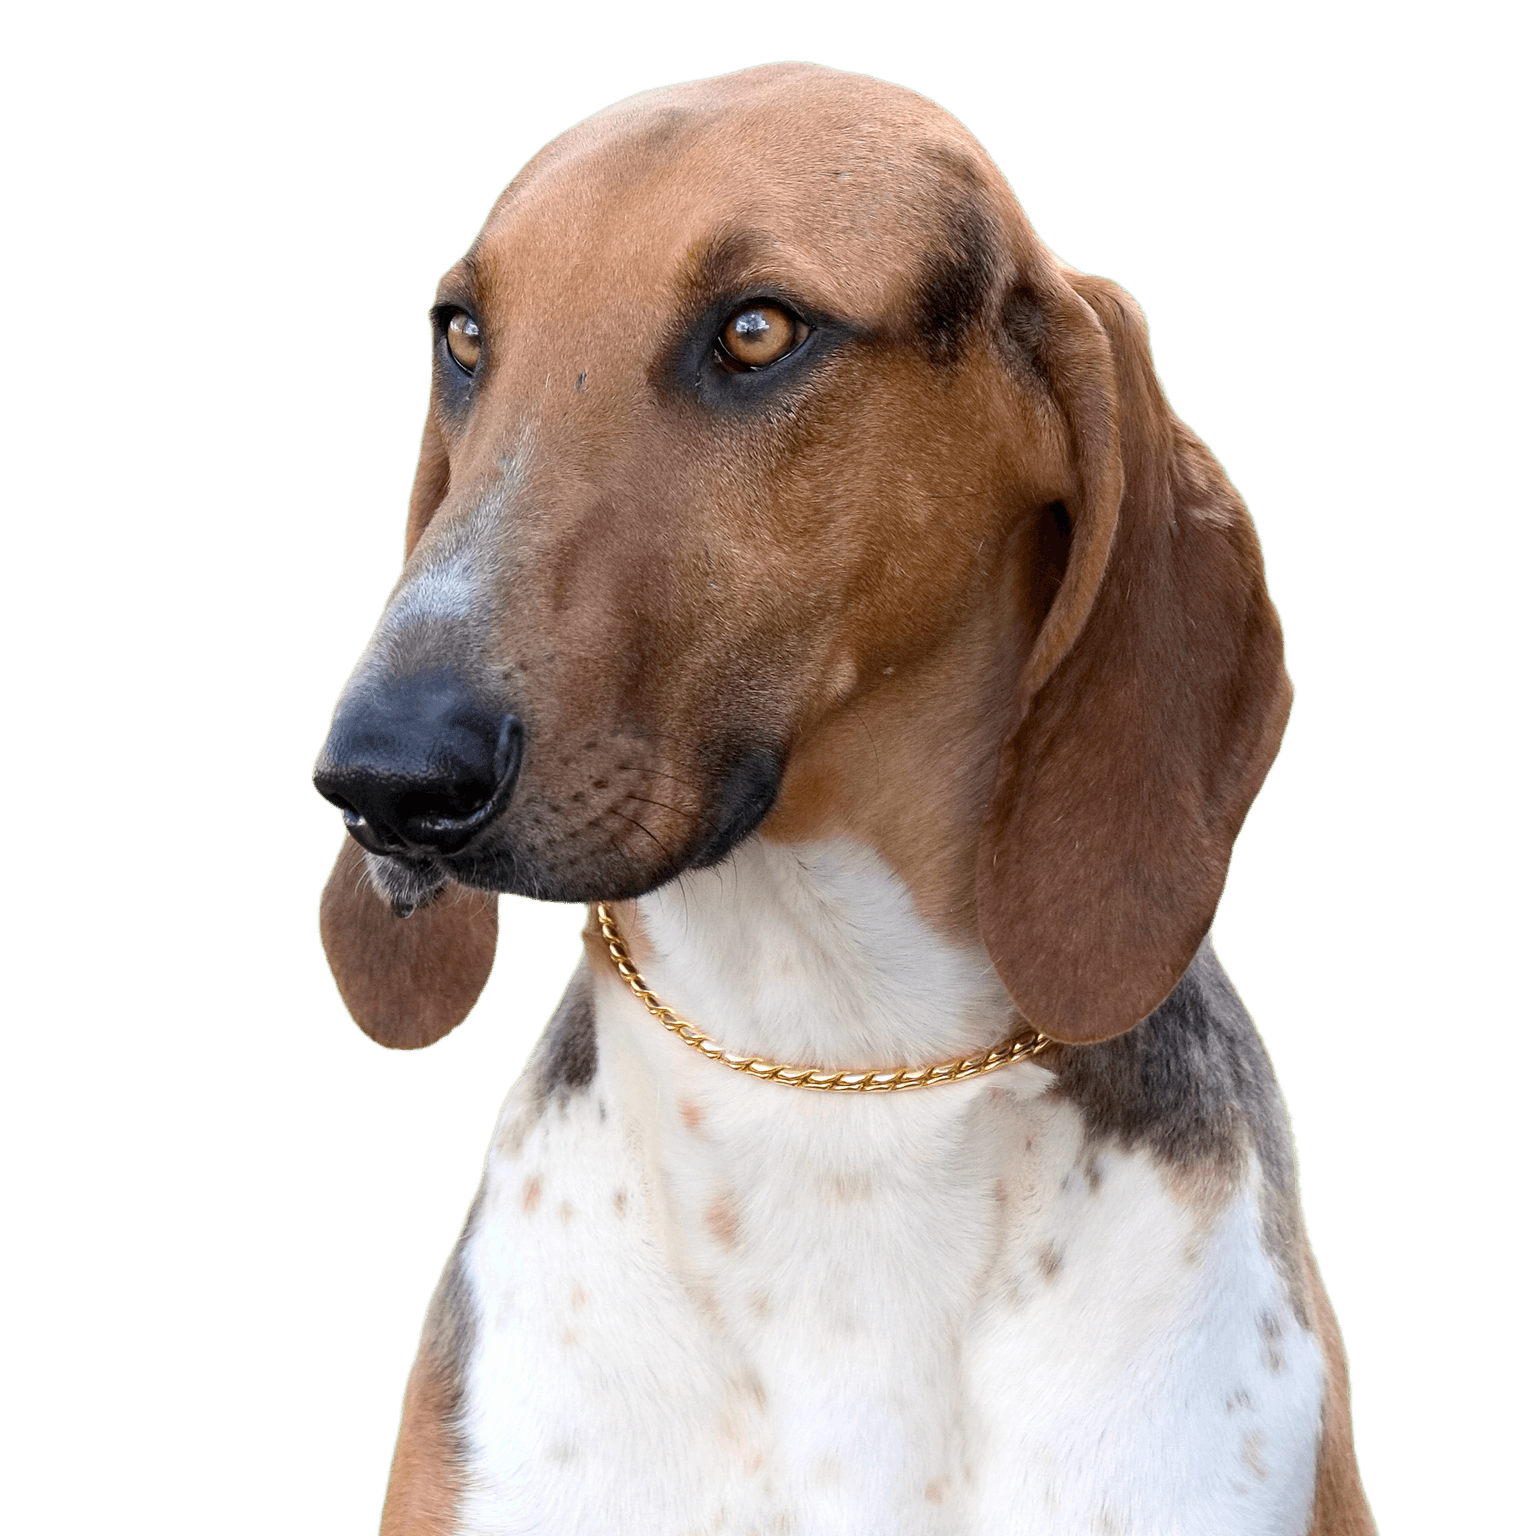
column 892, row 1081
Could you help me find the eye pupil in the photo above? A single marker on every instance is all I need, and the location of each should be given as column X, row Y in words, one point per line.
column 464, row 340
column 760, row 334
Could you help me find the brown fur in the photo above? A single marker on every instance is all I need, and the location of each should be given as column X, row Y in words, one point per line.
column 1056, row 546
column 1118, row 799
column 406, row 983
column 425, row 1479
column 1339, row 1506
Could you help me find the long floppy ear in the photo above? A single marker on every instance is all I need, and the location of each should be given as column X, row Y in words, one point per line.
column 1151, row 707
column 407, row 981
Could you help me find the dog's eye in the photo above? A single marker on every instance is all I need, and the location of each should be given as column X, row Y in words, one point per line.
column 464, row 340
column 761, row 334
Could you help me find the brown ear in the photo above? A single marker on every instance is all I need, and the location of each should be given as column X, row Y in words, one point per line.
column 1151, row 707
column 406, row 980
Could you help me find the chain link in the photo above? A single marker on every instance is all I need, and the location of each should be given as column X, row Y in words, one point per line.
column 892, row 1081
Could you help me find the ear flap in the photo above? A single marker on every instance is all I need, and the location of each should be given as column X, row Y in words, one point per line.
column 1151, row 707
column 407, row 981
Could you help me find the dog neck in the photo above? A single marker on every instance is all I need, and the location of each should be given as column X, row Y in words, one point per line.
column 816, row 954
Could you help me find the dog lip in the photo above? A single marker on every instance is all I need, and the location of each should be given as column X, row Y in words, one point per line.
column 453, row 834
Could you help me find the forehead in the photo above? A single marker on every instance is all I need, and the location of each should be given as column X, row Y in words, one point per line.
column 843, row 181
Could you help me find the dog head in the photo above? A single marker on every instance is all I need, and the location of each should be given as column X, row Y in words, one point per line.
column 750, row 396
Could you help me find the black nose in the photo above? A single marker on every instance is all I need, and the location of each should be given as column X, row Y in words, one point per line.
column 417, row 764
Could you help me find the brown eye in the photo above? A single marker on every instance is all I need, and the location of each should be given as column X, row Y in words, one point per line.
column 464, row 341
column 761, row 334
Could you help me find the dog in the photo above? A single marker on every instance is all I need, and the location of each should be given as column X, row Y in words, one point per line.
column 805, row 570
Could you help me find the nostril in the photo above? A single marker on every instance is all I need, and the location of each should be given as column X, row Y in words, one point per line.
column 354, row 820
column 349, row 812
column 376, row 837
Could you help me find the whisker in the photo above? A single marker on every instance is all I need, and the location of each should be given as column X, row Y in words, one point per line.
column 874, row 751
column 656, row 773
column 631, row 820
column 648, row 734
column 660, row 805
column 670, row 860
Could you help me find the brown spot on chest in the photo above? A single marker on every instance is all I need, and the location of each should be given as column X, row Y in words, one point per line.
column 721, row 1219
column 1205, row 1190
column 1270, row 1332
column 533, row 1192
column 1253, row 1454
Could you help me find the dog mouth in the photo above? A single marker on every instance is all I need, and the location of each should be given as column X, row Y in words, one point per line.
column 405, row 885
column 611, row 855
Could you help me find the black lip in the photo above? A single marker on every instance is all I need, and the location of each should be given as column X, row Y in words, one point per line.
column 748, row 788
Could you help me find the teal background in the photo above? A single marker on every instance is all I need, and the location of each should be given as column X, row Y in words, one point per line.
column 224, row 1209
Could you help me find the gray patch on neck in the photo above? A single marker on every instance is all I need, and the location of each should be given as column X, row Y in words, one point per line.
column 1192, row 1084
column 566, row 1059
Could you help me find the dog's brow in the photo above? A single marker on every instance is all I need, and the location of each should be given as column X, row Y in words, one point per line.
column 723, row 262
column 461, row 280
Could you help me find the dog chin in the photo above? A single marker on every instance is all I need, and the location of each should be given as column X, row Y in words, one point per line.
column 405, row 886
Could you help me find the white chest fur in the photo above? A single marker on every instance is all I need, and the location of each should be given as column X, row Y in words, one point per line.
column 706, row 1303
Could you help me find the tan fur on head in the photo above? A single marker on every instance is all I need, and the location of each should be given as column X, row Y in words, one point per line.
column 964, row 585
column 407, row 981
column 1152, row 708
